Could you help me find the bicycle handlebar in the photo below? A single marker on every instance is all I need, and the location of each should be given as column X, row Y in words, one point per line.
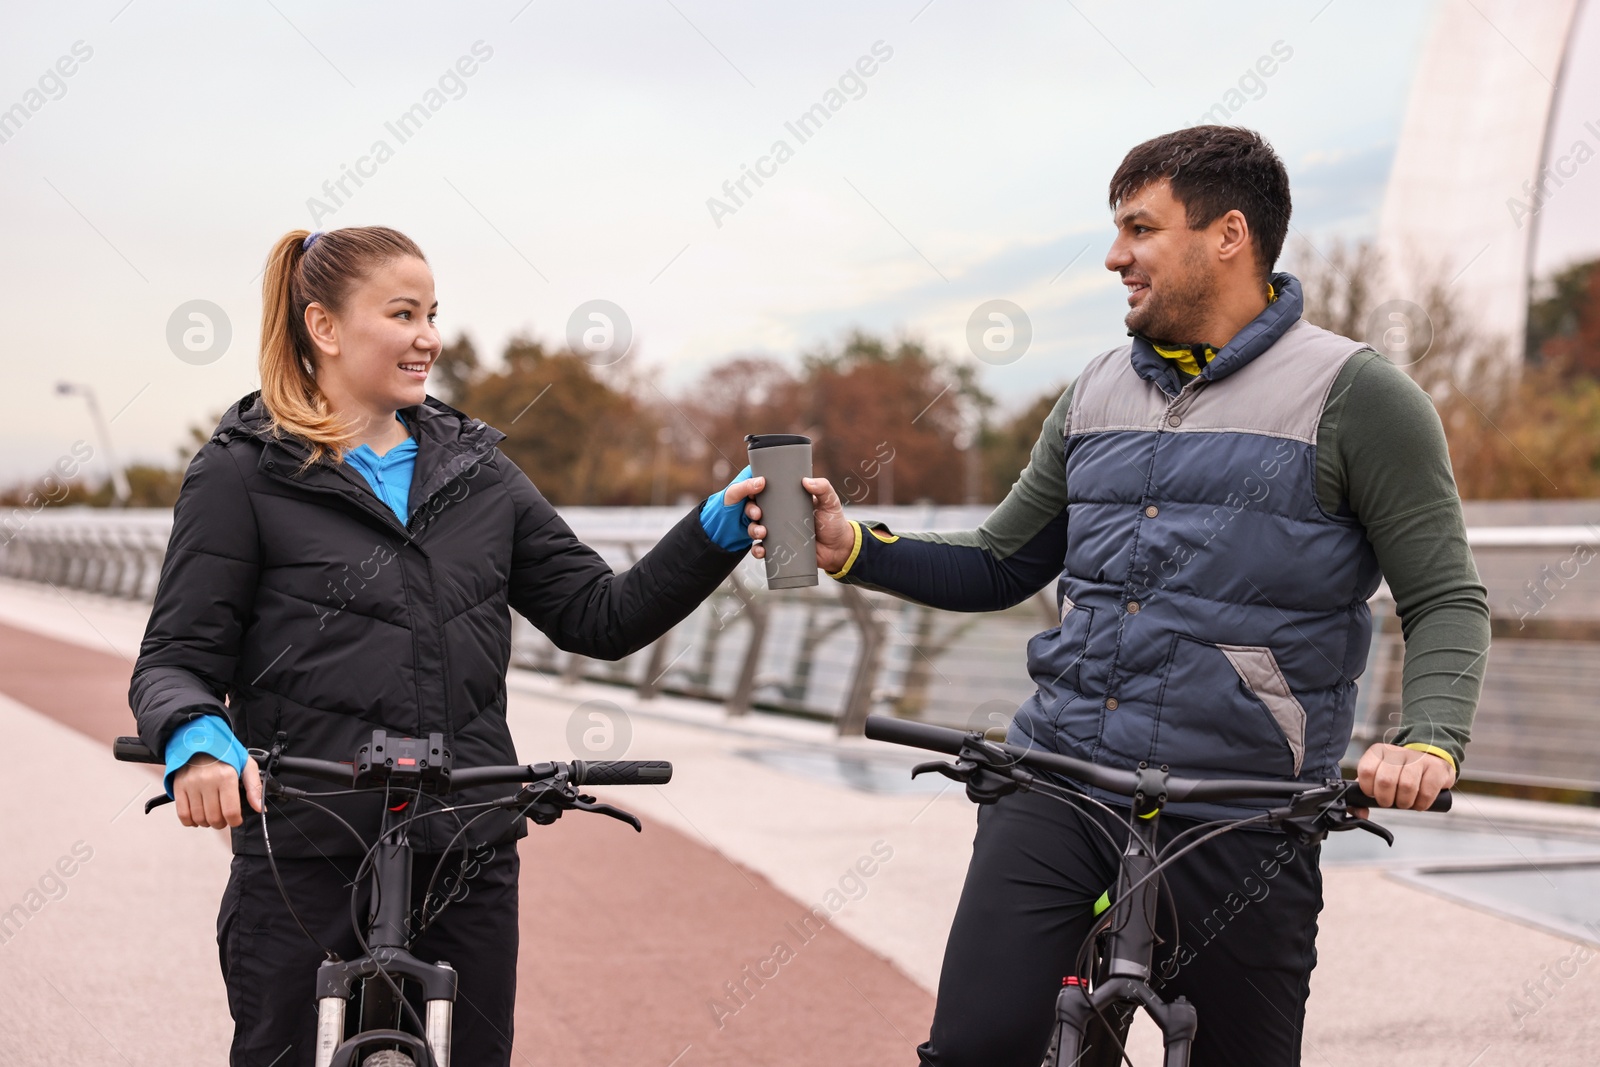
column 621, row 772
column 579, row 772
column 133, row 750
column 1123, row 783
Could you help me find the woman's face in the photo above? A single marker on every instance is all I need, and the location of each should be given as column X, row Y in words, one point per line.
column 375, row 352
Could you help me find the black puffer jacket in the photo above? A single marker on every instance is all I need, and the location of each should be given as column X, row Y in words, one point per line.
column 303, row 600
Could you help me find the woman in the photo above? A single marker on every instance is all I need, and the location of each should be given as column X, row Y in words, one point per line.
column 344, row 553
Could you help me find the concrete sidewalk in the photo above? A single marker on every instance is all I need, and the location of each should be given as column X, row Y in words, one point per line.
column 758, row 825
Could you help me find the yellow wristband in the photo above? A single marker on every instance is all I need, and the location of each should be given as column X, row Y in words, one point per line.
column 855, row 550
column 1434, row 751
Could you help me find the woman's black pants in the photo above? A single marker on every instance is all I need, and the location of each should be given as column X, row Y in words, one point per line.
column 270, row 966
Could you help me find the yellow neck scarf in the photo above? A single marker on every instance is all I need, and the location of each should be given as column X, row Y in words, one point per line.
column 1184, row 355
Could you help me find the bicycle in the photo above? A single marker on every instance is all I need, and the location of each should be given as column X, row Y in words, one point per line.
column 387, row 1031
column 1120, row 946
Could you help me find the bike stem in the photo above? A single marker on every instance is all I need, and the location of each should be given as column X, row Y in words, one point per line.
column 391, row 886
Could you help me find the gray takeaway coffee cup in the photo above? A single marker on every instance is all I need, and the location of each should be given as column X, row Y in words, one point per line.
column 791, row 541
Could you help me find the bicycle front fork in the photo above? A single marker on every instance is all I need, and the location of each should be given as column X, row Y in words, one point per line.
column 1076, row 1017
column 438, row 1018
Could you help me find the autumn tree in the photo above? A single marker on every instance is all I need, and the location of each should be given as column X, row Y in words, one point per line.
column 739, row 396
column 582, row 439
column 453, row 370
column 1008, row 446
column 1516, row 430
column 1564, row 321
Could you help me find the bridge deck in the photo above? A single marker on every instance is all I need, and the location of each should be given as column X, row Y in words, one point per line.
column 760, row 823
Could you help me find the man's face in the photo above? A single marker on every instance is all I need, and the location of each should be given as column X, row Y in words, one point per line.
column 1167, row 267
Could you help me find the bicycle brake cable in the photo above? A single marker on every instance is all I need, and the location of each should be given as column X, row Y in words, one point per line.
column 427, row 894
column 461, row 828
column 272, row 864
column 1067, row 796
column 429, row 920
column 1160, row 866
column 383, row 971
column 355, row 922
column 1164, row 862
column 1111, row 1032
column 277, row 876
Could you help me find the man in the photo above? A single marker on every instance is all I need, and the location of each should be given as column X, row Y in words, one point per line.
column 1224, row 494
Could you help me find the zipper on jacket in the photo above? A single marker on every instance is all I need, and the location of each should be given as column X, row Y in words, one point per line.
column 418, row 508
column 384, row 516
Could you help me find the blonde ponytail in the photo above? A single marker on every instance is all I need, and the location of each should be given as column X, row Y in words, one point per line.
column 295, row 278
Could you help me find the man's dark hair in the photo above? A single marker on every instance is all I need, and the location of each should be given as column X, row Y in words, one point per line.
column 1214, row 169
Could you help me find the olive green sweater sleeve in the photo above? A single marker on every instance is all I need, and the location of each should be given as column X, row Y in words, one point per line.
column 1013, row 554
column 1381, row 451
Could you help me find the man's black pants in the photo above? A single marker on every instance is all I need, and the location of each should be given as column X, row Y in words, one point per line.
column 270, row 966
column 1242, row 952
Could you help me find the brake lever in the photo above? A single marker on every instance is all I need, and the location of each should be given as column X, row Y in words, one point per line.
column 1355, row 822
column 1332, row 817
column 270, row 787
column 959, row 771
column 985, row 783
column 590, row 804
column 546, row 803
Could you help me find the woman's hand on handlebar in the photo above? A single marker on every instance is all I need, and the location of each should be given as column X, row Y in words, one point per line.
column 1403, row 777
column 207, row 792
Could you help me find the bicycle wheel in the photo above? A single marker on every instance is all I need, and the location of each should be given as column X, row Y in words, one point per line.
column 388, row 1058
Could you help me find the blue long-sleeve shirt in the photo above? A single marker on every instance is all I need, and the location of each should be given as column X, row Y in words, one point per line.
column 388, row 474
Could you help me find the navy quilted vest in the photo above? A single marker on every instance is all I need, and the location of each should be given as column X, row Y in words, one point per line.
column 1214, row 616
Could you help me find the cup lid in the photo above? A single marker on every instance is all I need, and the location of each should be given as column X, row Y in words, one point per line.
column 770, row 440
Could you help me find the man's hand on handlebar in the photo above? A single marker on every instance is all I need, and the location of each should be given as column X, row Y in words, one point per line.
column 207, row 792
column 835, row 539
column 1403, row 777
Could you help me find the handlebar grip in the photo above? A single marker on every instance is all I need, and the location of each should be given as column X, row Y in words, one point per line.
column 621, row 772
column 133, row 750
column 1355, row 798
column 916, row 734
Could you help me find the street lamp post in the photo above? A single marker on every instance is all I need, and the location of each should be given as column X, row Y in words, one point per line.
column 119, row 480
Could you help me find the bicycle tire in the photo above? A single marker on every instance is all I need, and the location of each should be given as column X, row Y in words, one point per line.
column 388, row 1058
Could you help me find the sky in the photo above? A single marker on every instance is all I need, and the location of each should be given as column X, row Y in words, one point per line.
column 564, row 153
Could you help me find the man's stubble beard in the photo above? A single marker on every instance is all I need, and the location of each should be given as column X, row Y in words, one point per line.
column 1174, row 312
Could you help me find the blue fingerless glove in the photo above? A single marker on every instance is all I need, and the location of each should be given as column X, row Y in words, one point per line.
column 209, row 734
column 725, row 523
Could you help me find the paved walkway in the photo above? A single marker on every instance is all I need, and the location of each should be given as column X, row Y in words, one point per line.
column 630, row 941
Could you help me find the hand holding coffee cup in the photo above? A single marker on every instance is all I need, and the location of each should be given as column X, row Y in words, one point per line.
column 788, row 527
column 835, row 538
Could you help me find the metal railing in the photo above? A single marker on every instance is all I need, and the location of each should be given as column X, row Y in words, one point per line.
column 113, row 553
column 837, row 652
column 833, row 652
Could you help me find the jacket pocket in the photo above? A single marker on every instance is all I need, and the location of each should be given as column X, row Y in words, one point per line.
column 1056, row 656
column 1258, row 671
column 1225, row 711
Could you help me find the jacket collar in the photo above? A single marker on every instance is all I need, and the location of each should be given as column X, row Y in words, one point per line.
column 448, row 444
column 1260, row 334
